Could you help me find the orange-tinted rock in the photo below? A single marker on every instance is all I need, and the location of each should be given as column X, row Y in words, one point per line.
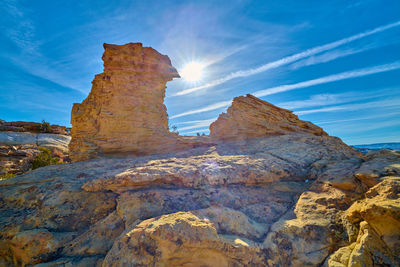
column 125, row 111
column 33, row 127
column 250, row 117
column 181, row 239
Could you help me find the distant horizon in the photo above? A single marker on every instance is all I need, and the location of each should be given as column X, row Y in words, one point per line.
column 336, row 65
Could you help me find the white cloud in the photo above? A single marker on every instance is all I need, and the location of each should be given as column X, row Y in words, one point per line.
column 330, row 78
column 351, row 107
column 198, row 124
column 359, row 118
column 289, row 59
column 204, row 109
column 326, row 57
column 331, row 99
column 284, row 88
column 370, row 127
column 198, row 131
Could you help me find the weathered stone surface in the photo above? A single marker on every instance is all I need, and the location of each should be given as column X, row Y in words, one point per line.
column 379, row 164
column 374, row 227
column 246, row 191
column 98, row 239
column 281, row 192
column 33, row 127
column 51, row 141
column 125, row 111
column 250, row 117
column 18, row 150
column 54, row 141
column 17, row 159
column 181, row 239
column 14, row 138
column 38, row 245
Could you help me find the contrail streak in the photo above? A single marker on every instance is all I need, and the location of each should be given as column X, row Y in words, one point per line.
column 330, row 78
column 288, row 87
column 289, row 59
column 207, row 108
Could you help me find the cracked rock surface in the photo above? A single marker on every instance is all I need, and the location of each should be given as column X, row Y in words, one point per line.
column 249, row 203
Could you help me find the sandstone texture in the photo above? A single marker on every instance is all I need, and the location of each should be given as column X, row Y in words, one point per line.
column 125, row 111
column 51, row 141
column 266, row 189
column 251, row 117
column 33, row 127
column 17, row 159
column 19, row 149
column 274, row 201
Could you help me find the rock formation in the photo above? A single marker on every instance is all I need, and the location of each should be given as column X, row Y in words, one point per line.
column 250, row 117
column 19, row 149
column 281, row 192
column 125, row 111
column 32, row 127
column 17, row 159
column 289, row 200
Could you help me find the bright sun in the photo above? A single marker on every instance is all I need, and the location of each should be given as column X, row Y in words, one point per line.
column 192, row 72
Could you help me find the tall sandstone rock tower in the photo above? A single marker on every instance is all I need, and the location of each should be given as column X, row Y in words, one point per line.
column 125, row 111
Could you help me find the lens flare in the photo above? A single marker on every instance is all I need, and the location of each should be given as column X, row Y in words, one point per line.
column 192, row 72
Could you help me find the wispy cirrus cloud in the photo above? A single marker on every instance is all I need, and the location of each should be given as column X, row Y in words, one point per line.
column 359, row 118
column 288, row 87
column 197, row 131
column 370, row 127
column 197, row 124
column 351, row 107
column 332, row 99
column 22, row 32
column 214, row 106
column 330, row 78
column 289, row 59
column 328, row 56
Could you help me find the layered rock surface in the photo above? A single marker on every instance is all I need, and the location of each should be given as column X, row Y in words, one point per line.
column 19, row 149
column 125, row 111
column 251, row 117
column 281, row 192
column 33, row 127
column 274, row 201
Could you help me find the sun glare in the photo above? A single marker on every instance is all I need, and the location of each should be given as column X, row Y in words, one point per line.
column 192, row 72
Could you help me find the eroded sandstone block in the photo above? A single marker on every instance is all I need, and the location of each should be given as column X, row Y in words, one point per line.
column 250, row 117
column 125, row 111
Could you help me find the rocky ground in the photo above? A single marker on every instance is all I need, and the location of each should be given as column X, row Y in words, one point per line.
column 312, row 201
column 19, row 149
column 264, row 189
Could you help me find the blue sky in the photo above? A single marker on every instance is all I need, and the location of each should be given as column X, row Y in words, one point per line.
column 335, row 63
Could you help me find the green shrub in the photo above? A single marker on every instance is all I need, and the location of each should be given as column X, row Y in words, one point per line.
column 44, row 159
column 45, row 127
column 174, row 129
column 7, row 176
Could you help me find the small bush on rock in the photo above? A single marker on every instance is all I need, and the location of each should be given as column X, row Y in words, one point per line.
column 7, row 176
column 44, row 159
column 45, row 127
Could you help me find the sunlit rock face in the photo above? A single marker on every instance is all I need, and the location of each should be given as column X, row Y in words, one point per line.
column 125, row 109
column 281, row 192
column 250, row 117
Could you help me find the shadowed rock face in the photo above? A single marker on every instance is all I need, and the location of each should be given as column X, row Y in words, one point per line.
column 251, row 117
column 125, row 109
